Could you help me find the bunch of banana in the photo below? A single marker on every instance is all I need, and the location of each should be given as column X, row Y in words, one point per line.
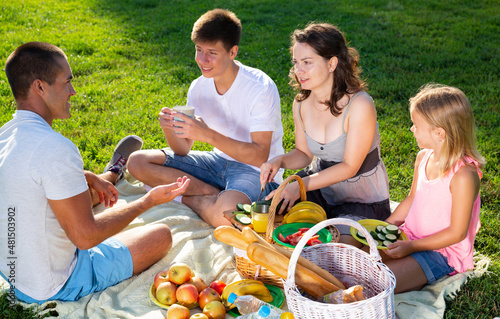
column 305, row 212
column 246, row 287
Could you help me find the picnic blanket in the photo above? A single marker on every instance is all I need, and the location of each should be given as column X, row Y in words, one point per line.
column 129, row 299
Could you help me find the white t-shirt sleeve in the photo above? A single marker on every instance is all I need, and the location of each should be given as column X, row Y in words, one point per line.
column 265, row 113
column 58, row 168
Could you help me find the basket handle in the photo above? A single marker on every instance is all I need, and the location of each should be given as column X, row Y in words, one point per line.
column 275, row 202
column 374, row 254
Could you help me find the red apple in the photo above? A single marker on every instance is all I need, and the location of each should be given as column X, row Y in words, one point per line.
column 179, row 273
column 215, row 310
column 166, row 293
column 218, row 286
column 207, row 295
column 187, row 295
column 178, row 312
column 160, row 277
column 199, row 316
column 198, row 282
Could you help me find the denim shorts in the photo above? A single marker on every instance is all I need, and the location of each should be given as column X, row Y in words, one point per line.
column 434, row 264
column 219, row 172
column 97, row 268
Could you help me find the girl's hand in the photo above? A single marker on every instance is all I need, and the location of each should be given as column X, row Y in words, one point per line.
column 399, row 249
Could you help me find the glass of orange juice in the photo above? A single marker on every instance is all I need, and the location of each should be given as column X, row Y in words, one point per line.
column 260, row 216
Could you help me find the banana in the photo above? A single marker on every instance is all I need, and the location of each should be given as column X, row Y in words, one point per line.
column 246, row 287
column 302, row 214
column 308, row 204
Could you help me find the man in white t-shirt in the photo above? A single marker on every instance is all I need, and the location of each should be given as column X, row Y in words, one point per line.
column 53, row 247
column 237, row 111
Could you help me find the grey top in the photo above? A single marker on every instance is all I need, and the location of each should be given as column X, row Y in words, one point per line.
column 369, row 185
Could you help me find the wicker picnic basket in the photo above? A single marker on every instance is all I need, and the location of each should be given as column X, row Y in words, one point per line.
column 346, row 263
column 249, row 269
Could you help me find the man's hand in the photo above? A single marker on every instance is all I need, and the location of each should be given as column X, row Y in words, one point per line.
column 166, row 193
column 106, row 191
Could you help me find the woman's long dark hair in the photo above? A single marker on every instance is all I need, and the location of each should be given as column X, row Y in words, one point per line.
column 327, row 41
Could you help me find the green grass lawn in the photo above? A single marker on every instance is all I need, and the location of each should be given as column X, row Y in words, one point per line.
column 132, row 57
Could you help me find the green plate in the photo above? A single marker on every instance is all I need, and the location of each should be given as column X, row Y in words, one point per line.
column 278, row 300
column 286, row 229
column 371, row 224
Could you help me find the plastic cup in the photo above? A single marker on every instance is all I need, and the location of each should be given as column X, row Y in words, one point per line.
column 184, row 109
column 203, row 260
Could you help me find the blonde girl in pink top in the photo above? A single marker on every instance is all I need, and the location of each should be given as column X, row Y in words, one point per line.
column 441, row 213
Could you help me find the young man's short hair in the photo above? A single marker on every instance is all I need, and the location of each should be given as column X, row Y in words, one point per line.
column 31, row 61
column 215, row 25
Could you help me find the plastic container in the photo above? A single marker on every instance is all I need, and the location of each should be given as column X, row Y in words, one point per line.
column 248, row 304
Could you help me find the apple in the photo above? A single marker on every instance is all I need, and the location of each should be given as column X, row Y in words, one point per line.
column 178, row 312
column 179, row 273
column 207, row 295
column 218, row 286
column 198, row 282
column 160, row 277
column 166, row 293
column 187, row 295
column 199, row 316
column 215, row 310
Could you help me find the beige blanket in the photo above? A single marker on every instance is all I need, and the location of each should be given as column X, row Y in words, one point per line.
column 129, row 299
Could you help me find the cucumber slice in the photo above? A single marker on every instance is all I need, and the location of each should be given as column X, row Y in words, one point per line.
column 392, row 229
column 374, row 234
column 379, row 228
column 387, row 243
column 399, row 233
column 239, row 207
column 360, row 235
column 391, row 237
column 381, row 237
column 243, row 219
column 385, row 231
column 247, row 208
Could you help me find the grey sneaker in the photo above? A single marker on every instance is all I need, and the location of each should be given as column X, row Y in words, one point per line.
column 123, row 149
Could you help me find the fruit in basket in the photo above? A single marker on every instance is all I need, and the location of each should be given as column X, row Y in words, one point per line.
column 178, row 312
column 187, row 295
column 207, row 295
column 198, row 282
column 218, row 286
column 214, row 310
column 305, row 212
column 246, row 287
column 165, row 293
column 160, row 277
column 179, row 273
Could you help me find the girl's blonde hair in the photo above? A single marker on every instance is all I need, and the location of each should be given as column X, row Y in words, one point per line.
column 448, row 108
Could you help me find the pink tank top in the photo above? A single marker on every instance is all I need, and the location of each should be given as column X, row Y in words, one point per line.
column 431, row 212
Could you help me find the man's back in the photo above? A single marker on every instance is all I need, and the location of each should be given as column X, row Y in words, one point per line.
column 36, row 163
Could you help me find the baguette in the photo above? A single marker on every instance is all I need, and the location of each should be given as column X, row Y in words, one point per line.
column 312, row 266
column 275, row 262
column 251, row 236
column 231, row 236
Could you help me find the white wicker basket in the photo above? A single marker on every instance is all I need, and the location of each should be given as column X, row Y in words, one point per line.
column 345, row 262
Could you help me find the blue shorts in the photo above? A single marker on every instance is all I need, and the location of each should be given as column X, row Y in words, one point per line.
column 434, row 264
column 219, row 172
column 96, row 269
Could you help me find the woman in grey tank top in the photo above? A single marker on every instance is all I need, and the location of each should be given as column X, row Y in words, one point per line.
column 336, row 131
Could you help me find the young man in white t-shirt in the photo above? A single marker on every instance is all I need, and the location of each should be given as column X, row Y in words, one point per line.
column 58, row 249
column 237, row 111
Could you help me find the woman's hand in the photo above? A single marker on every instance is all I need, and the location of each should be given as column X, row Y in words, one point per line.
column 289, row 195
column 269, row 169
